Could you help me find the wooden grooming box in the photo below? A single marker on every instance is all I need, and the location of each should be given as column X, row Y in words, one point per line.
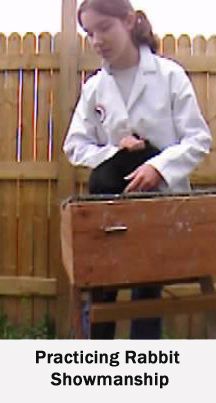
column 139, row 238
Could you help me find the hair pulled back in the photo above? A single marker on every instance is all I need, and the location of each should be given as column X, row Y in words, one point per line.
column 142, row 31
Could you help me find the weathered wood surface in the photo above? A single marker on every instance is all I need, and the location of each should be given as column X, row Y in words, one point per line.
column 28, row 286
column 147, row 240
column 151, row 308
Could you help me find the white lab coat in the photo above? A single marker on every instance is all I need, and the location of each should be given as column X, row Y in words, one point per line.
column 162, row 108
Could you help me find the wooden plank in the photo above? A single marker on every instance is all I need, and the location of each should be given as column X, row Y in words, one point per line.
column 4, row 140
column 68, row 87
column 40, row 170
column 200, row 83
column 76, row 330
column 56, row 110
column 27, row 286
column 196, row 63
column 209, row 163
column 184, row 47
column 179, row 290
column 184, row 50
column 54, row 254
column 90, row 61
column 166, row 226
column 122, row 327
column 207, row 287
column 28, row 170
column 83, row 47
column 176, row 326
column 9, row 191
column 26, row 241
column 200, row 80
column 183, row 326
column 81, row 51
column 44, row 101
column 28, row 93
column 53, row 244
column 29, row 62
column 211, row 101
column 192, row 64
column 205, row 173
column 197, row 326
column 68, row 98
column 169, row 45
column 67, row 243
column 150, row 308
column 81, row 175
column 193, row 326
column 42, row 200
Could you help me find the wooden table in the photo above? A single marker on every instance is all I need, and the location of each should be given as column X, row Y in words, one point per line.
column 138, row 239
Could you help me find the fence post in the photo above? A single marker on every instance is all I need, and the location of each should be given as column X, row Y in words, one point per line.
column 68, row 96
column 68, row 86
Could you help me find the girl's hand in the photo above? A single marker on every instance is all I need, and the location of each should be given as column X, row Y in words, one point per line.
column 144, row 178
column 131, row 143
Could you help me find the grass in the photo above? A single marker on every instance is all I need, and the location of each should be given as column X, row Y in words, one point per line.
column 44, row 329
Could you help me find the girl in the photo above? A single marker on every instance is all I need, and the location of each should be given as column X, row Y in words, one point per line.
column 137, row 98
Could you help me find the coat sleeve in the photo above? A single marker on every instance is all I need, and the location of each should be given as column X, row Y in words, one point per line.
column 194, row 139
column 81, row 144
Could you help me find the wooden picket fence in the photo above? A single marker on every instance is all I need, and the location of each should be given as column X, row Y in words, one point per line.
column 34, row 174
column 29, row 127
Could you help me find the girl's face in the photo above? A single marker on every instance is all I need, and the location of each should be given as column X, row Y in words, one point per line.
column 109, row 36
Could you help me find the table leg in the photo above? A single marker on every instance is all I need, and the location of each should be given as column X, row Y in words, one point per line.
column 207, row 287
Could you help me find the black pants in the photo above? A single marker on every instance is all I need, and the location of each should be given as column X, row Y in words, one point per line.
column 108, row 178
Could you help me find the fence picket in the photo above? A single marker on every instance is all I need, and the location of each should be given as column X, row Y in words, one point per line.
column 3, row 139
column 169, row 45
column 42, row 194
column 184, row 46
column 54, row 256
column 27, row 188
column 9, row 189
column 211, row 102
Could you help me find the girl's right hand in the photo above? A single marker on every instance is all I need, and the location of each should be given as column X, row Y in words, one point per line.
column 143, row 178
column 131, row 143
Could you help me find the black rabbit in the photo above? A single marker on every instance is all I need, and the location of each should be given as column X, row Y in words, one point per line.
column 108, row 177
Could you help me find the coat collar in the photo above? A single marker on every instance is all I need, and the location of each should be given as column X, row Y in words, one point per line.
column 147, row 60
column 146, row 63
column 146, row 66
column 109, row 95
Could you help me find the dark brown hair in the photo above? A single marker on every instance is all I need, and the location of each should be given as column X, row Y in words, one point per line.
column 142, row 31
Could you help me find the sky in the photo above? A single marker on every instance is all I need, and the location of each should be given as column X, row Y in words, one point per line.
column 167, row 16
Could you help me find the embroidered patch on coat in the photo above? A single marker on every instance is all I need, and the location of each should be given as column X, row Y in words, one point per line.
column 101, row 112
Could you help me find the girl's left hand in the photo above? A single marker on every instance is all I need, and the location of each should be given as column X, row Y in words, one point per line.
column 131, row 143
column 144, row 178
